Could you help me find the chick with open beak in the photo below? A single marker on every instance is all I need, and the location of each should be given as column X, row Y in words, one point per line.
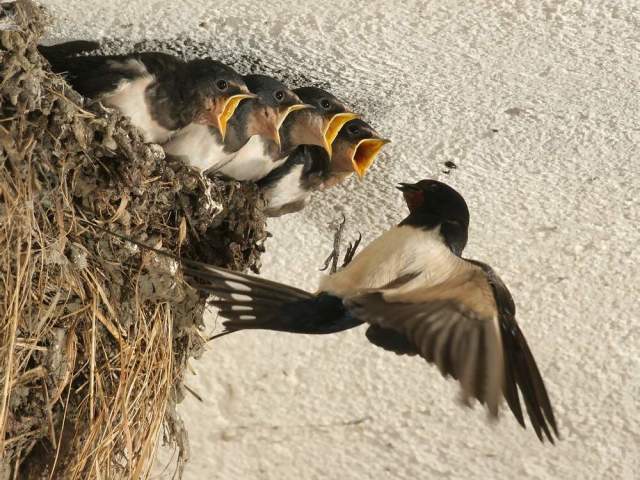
column 319, row 126
column 311, row 167
column 208, row 91
column 218, row 90
column 161, row 94
column 249, row 137
column 217, row 110
column 217, row 94
column 255, row 130
column 354, row 151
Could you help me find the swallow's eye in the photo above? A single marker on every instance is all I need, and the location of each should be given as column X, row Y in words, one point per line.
column 222, row 85
column 325, row 104
column 279, row 95
column 353, row 129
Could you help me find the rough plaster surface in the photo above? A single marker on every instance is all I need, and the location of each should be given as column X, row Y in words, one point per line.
column 537, row 103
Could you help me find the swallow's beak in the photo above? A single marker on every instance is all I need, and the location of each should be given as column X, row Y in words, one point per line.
column 225, row 109
column 407, row 187
column 272, row 131
column 332, row 128
column 365, row 153
column 283, row 112
column 413, row 195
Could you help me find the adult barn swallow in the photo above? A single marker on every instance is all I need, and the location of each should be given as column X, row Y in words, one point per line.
column 310, row 168
column 253, row 137
column 160, row 93
column 418, row 296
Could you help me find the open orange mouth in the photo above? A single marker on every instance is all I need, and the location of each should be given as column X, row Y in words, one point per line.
column 334, row 126
column 284, row 112
column 282, row 115
column 365, row 153
column 228, row 109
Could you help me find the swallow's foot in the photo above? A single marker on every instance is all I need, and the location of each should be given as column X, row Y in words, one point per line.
column 351, row 250
column 334, row 256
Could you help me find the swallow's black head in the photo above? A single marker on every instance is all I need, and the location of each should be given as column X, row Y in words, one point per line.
column 317, row 125
column 271, row 92
column 323, row 101
column 262, row 115
column 213, row 78
column 355, row 130
column 435, row 204
column 215, row 91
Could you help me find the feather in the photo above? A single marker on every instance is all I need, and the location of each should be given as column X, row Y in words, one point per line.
column 466, row 326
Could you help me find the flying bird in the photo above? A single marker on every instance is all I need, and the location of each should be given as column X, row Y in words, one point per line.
column 160, row 93
column 252, row 147
column 311, row 168
column 418, row 296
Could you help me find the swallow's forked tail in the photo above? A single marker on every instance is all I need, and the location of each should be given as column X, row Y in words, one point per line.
column 250, row 302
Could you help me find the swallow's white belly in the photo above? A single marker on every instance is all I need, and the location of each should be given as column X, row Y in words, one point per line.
column 400, row 251
column 286, row 190
column 131, row 99
column 197, row 146
column 251, row 162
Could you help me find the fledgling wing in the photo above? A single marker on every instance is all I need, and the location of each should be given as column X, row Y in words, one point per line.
column 457, row 325
column 95, row 75
column 250, row 302
column 68, row 49
column 92, row 76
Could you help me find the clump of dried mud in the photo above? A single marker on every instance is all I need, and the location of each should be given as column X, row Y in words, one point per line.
column 95, row 334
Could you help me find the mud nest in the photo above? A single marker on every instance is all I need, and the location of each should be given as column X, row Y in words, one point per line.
column 95, row 334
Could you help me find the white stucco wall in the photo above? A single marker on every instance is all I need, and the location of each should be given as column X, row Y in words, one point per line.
column 537, row 103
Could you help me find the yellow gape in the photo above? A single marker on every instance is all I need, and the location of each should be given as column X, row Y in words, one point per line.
column 365, row 153
column 334, row 126
column 227, row 110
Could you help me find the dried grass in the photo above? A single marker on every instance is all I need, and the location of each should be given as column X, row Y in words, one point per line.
column 95, row 335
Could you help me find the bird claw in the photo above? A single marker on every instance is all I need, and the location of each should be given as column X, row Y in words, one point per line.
column 351, row 250
column 334, row 256
column 327, row 261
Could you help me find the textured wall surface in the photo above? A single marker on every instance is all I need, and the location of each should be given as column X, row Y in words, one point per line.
column 537, row 103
